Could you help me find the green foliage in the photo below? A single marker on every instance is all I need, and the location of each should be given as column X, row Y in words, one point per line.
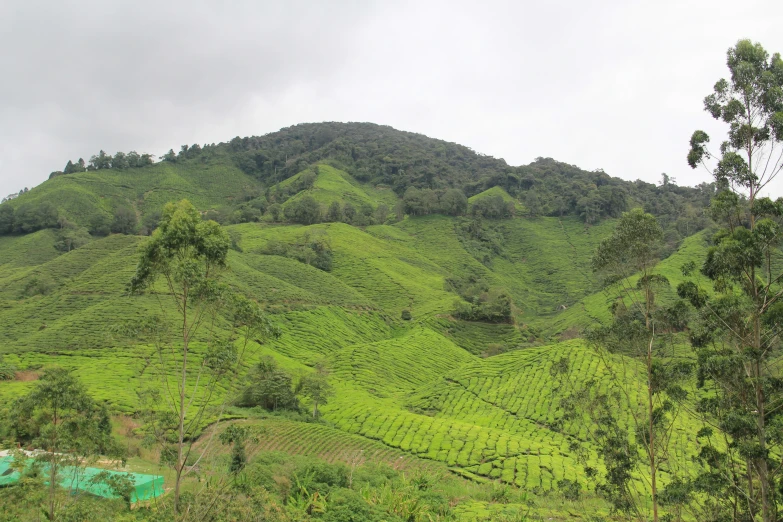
column 492, row 207
column 736, row 334
column 275, row 211
column 100, row 224
column 269, row 387
column 184, row 250
column 37, row 286
column 305, row 211
column 71, row 237
column 28, row 217
column 125, row 221
column 189, row 255
column 58, row 416
column 383, row 156
column 402, row 385
column 237, row 437
column 7, row 371
column 313, row 248
column 493, row 305
column 480, row 238
column 632, row 247
column 316, row 387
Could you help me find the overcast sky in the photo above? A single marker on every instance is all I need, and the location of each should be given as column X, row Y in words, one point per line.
column 613, row 85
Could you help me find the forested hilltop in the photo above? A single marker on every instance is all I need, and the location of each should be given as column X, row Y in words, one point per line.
column 347, row 322
column 421, row 174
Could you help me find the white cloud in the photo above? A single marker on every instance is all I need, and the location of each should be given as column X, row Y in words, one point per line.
column 616, row 85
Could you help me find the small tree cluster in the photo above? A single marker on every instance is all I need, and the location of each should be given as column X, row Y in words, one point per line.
column 102, row 161
column 313, row 249
column 492, row 305
column 269, row 387
column 420, row 202
column 305, row 210
column 28, row 217
column 492, row 207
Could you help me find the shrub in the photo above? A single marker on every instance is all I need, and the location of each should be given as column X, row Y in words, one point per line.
column 270, row 387
column 7, row 370
column 348, row 506
column 406, row 315
column 494, row 349
column 37, row 286
column 150, row 222
column 30, row 217
column 570, row 489
column 335, row 212
column 312, row 249
column 493, row 306
column 100, row 225
column 71, row 237
column 274, row 211
column 492, row 207
column 305, row 211
column 125, row 221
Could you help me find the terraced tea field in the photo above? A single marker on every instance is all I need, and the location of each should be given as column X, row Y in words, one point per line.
column 332, row 185
column 327, row 443
column 407, row 392
column 497, row 418
column 398, row 365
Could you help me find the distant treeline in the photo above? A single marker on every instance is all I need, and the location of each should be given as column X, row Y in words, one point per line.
column 101, row 161
column 38, row 215
column 381, row 155
column 428, row 175
column 401, row 160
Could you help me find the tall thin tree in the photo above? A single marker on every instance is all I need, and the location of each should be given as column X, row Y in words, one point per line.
column 742, row 343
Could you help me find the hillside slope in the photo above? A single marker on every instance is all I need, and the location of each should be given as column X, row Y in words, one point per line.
column 397, row 305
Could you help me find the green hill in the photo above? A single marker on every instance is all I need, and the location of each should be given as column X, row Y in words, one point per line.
column 80, row 197
column 381, row 302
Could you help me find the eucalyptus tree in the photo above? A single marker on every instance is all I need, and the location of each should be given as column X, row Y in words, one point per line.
column 189, row 255
column 738, row 342
column 633, row 350
column 315, row 386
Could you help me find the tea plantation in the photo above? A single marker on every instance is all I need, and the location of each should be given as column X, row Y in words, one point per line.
column 417, row 385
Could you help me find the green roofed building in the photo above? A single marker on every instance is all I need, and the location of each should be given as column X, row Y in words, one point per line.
column 91, row 480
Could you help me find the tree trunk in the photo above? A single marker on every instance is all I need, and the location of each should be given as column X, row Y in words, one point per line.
column 181, row 428
column 653, row 484
column 766, row 508
column 751, row 510
column 647, row 313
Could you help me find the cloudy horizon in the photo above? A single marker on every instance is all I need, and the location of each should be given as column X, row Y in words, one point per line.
column 611, row 85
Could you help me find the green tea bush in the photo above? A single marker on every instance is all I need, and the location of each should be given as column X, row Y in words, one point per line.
column 7, row 370
column 37, row 286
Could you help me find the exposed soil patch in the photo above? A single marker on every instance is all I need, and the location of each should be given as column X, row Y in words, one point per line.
column 27, row 375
